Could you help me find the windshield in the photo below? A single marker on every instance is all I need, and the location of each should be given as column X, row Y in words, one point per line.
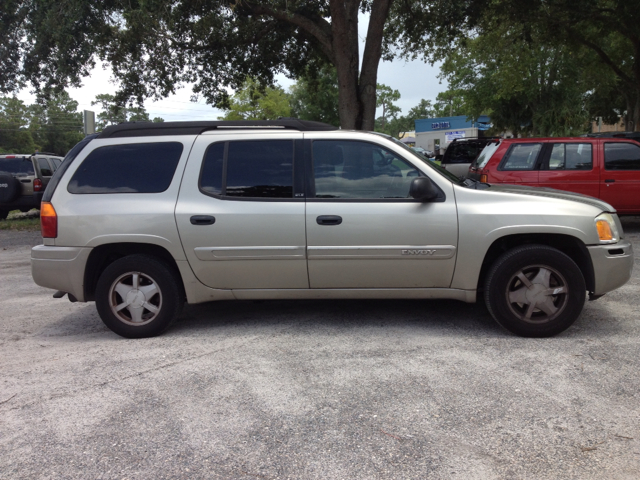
column 486, row 154
column 448, row 175
column 17, row 166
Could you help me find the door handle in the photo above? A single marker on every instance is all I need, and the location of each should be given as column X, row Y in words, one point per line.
column 202, row 220
column 329, row 220
column 609, row 180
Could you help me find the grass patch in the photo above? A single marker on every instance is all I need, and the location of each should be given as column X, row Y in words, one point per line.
column 18, row 222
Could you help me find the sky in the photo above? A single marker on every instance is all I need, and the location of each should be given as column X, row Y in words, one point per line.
column 414, row 80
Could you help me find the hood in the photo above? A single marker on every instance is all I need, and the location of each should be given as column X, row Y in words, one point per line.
column 552, row 193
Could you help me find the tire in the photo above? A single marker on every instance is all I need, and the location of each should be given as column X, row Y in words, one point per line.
column 151, row 307
column 9, row 187
column 4, row 214
column 535, row 291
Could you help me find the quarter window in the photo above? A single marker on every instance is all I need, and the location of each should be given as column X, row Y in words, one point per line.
column 252, row 169
column 522, row 156
column 130, row 168
column 571, row 156
column 359, row 170
column 621, row 156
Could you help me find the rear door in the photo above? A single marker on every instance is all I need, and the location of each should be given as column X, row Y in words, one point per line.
column 569, row 165
column 241, row 211
column 620, row 179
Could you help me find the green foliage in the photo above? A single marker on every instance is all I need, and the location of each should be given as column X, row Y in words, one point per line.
column 314, row 96
column 114, row 113
column 57, row 126
column 527, row 85
column 385, row 98
column 15, row 136
column 255, row 102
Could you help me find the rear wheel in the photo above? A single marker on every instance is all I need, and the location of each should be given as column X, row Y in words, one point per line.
column 535, row 291
column 138, row 296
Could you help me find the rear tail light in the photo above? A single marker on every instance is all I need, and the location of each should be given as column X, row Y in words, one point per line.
column 48, row 220
column 37, row 185
column 484, row 178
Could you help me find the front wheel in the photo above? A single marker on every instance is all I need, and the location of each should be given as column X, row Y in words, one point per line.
column 535, row 291
column 138, row 296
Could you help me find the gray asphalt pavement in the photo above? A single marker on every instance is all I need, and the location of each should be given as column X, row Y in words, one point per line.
column 315, row 390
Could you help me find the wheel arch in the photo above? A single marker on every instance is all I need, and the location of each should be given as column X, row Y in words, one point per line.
column 571, row 246
column 103, row 255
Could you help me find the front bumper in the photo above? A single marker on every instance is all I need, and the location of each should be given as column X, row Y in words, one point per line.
column 612, row 265
column 60, row 268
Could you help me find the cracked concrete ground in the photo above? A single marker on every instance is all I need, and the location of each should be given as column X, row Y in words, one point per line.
column 315, row 390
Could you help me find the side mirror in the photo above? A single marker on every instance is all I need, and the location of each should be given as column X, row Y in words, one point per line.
column 423, row 189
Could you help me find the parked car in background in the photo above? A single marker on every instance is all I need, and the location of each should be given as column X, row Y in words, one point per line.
column 603, row 167
column 23, row 179
column 461, row 152
column 290, row 209
column 422, row 151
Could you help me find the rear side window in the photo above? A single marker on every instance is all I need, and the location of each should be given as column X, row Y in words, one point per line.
column 621, row 156
column 571, row 156
column 250, row 169
column 521, row 156
column 45, row 169
column 17, row 166
column 132, row 168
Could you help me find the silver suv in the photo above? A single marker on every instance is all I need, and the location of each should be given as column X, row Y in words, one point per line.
column 144, row 217
column 23, row 178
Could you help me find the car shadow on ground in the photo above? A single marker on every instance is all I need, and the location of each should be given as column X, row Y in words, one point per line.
column 441, row 318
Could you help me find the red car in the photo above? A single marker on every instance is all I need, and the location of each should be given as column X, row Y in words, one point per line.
column 604, row 167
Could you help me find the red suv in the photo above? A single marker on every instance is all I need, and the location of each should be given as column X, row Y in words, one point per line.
column 606, row 168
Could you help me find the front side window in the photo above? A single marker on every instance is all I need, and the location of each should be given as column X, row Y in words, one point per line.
column 571, row 156
column 254, row 169
column 521, row 156
column 359, row 170
column 621, row 156
column 129, row 168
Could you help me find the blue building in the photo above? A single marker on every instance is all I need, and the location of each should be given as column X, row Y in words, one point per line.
column 434, row 133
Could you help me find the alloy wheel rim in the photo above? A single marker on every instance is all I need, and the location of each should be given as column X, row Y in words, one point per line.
column 135, row 298
column 537, row 294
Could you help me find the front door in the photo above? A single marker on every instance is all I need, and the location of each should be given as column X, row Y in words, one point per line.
column 363, row 229
column 240, row 211
column 620, row 179
column 569, row 166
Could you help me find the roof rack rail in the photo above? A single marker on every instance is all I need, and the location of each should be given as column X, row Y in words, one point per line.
column 47, row 153
column 150, row 129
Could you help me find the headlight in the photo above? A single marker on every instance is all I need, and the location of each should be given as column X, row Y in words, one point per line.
column 607, row 230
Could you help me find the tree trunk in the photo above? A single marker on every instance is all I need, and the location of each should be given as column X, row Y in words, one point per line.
column 357, row 94
column 344, row 30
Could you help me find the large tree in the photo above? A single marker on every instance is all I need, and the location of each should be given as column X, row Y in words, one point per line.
column 610, row 29
column 155, row 46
